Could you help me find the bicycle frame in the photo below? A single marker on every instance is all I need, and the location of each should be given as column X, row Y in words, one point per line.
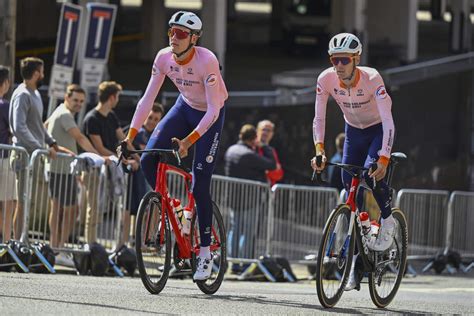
column 161, row 187
column 184, row 243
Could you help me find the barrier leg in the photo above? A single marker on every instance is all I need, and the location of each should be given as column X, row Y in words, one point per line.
column 43, row 260
column 17, row 260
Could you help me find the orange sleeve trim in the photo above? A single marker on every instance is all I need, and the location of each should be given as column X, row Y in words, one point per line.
column 193, row 137
column 384, row 160
column 132, row 132
column 319, row 147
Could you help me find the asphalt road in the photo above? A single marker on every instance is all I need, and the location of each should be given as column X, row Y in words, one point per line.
column 34, row 294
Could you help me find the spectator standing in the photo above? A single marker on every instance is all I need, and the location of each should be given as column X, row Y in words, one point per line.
column 102, row 127
column 243, row 161
column 334, row 174
column 8, row 196
column 25, row 118
column 63, row 185
column 265, row 132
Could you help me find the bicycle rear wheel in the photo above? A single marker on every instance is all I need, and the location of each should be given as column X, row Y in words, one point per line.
column 385, row 281
column 153, row 243
column 335, row 256
column 218, row 250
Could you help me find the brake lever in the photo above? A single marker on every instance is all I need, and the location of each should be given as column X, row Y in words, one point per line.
column 175, row 148
column 319, row 180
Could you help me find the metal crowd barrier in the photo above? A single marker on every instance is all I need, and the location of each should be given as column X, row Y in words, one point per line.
column 460, row 235
column 426, row 213
column 67, row 207
column 13, row 199
column 75, row 202
column 296, row 220
column 244, row 205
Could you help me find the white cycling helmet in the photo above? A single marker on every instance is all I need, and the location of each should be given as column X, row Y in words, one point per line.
column 188, row 20
column 345, row 43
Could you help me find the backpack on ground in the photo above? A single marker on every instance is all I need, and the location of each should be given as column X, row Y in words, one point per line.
column 99, row 259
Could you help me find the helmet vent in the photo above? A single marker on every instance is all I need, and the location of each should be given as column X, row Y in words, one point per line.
column 190, row 22
column 353, row 44
column 178, row 16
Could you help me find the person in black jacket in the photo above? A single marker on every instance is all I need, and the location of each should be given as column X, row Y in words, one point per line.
column 242, row 160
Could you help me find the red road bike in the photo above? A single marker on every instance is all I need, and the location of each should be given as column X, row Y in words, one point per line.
column 157, row 228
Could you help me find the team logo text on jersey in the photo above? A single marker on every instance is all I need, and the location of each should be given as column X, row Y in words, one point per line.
column 354, row 105
column 190, row 71
column 360, row 92
column 211, row 80
column 381, row 93
column 185, row 82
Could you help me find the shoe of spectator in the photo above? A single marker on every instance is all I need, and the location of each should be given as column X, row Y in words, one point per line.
column 64, row 259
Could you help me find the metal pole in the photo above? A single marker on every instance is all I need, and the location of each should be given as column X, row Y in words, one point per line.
column 8, row 35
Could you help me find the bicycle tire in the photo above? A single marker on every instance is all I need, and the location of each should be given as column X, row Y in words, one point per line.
column 211, row 285
column 402, row 245
column 325, row 265
column 143, row 262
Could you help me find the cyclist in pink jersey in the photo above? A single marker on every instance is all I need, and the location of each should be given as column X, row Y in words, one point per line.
column 197, row 117
column 363, row 99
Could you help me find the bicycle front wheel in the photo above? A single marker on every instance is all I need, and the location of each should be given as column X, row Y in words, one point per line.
column 153, row 243
column 335, row 256
column 218, row 250
column 385, row 281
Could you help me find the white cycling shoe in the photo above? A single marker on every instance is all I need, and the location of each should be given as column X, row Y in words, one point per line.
column 203, row 269
column 385, row 236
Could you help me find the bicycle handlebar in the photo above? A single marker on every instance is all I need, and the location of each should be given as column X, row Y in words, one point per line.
column 353, row 170
column 125, row 152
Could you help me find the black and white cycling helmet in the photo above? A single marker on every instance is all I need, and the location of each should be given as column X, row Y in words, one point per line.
column 188, row 20
column 345, row 43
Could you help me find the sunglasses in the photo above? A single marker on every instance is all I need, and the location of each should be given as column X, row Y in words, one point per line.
column 343, row 60
column 179, row 33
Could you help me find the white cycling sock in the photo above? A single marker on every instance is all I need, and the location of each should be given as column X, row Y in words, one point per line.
column 388, row 221
column 205, row 252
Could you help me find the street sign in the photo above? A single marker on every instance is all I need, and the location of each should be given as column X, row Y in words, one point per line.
column 99, row 30
column 61, row 77
column 91, row 75
column 68, row 35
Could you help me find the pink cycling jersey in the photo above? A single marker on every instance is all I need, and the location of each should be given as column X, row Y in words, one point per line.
column 199, row 81
column 364, row 104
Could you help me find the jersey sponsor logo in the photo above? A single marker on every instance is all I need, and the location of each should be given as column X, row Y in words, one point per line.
column 335, row 91
column 360, row 93
column 213, row 149
column 342, row 92
column 381, row 93
column 154, row 71
column 190, row 71
column 176, row 69
column 319, row 90
column 185, row 82
column 211, row 80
